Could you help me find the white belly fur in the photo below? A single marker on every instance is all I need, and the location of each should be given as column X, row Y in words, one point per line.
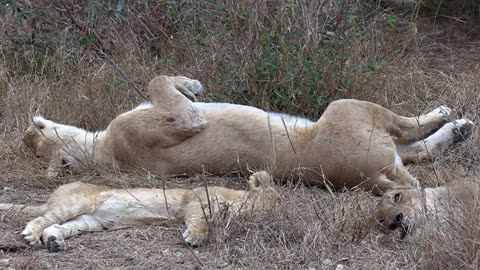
column 289, row 120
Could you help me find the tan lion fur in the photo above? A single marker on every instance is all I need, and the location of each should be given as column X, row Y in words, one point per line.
column 405, row 209
column 77, row 207
column 354, row 143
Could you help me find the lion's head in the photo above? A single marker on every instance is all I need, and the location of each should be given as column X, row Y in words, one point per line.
column 55, row 143
column 42, row 137
column 400, row 210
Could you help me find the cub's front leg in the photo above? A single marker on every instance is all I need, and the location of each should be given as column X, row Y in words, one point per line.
column 55, row 235
column 32, row 234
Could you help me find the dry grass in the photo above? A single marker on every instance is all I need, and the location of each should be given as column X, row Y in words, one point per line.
column 272, row 55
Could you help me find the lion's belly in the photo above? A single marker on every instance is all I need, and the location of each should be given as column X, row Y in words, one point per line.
column 345, row 154
column 236, row 138
column 217, row 152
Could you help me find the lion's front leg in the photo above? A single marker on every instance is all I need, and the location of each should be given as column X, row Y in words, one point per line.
column 54, row 169
column 433, row 146
column 61, row 163
column 417, row 128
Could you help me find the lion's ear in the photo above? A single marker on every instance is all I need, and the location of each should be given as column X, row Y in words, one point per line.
column 259, row 180
column 39, row 122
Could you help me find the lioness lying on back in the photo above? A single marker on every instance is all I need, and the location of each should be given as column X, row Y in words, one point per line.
column 78, row 207
column 405, row 209
column 354, row 143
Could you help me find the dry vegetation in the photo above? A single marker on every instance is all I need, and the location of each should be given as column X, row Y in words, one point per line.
column 65, row 59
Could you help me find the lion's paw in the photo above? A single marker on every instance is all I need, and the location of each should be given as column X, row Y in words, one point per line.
column 443, row 111
column 31, row 237
column 194, row 237
column 462, row 130
column 191, row 85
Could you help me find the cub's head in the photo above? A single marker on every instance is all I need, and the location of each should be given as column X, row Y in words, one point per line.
column 262, row 195
column 399, row 210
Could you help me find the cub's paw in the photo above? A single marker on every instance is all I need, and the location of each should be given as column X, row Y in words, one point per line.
column 194, row 237
column 55, row 245
column 31, row 237
column 463, row 129
column 53, row 238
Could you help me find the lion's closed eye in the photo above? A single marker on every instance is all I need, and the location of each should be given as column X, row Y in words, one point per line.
column 397, row 197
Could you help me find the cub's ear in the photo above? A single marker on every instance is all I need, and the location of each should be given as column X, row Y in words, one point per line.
column 259, row 180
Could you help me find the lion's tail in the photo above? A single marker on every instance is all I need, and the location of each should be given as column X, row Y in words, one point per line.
column 29, row 210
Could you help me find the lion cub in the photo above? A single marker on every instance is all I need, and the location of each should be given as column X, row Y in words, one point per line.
column 77, row 207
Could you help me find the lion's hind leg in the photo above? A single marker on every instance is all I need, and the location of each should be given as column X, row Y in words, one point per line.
column 437, row 143
column 173, row 94
column 54, row 236
column 169, row 121
column 410, row 129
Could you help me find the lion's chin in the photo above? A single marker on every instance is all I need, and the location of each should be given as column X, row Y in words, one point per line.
column 405, row 230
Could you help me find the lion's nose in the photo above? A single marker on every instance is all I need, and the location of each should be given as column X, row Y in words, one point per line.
column 398, row 219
